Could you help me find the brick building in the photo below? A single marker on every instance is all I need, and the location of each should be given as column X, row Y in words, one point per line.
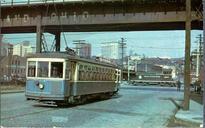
column 12, row 67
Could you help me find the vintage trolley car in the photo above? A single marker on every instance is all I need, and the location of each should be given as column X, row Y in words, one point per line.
column 63, row 78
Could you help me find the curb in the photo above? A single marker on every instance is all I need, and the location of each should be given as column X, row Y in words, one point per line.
column 180, row 122
column 12, row 91
column 190, row 122
column 173, row 118
column 187, row 123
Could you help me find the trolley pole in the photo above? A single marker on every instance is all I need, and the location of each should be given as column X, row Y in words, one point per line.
column 187, row 57
column 122, row 57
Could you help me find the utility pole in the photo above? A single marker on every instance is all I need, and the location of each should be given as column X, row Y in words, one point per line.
column 187, row 57
column 16, row 70
column 122, row 46
column 10, row 54
column 128, row 70
column 200, row 51
column 199, row 55
column 197, row 61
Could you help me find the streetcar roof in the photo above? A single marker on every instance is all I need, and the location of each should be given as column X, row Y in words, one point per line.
column 64, row 55
column 49, row 55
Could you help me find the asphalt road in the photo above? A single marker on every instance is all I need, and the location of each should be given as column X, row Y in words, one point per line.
column 134, row 106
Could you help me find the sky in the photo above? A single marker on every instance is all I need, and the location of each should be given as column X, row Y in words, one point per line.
column 150, row 43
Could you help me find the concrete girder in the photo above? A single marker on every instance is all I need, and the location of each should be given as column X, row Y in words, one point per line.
column 72, row 23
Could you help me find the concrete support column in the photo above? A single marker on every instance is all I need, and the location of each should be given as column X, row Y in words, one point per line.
column 203, row 78
column 38, row 35
column 187, row 57
column 58, row 38
column 1, row 38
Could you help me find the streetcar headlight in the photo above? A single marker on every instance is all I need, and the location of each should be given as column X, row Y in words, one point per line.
column 41, row 86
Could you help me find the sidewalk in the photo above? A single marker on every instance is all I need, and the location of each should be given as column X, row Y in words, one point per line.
column 194, row 116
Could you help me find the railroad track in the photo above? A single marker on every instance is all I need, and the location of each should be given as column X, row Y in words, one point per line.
column 32, row 113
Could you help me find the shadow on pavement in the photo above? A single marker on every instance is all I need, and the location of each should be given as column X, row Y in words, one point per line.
column 89, row 101
column 157, row 88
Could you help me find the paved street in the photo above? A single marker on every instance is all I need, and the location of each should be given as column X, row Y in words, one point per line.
column 135, row 106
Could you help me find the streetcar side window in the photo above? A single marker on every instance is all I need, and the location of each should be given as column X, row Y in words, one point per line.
column 68, row 71
column 57, row 69
column 31, row 68
column 81, row 72
column 42, row 69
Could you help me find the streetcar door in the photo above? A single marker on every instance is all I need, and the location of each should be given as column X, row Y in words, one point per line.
column 118, row 76
column 68, row 71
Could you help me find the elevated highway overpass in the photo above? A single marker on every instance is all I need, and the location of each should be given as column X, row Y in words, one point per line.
column 97, row 15
column 56, row 16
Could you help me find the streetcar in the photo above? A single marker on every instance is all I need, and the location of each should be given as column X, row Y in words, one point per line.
column 60, row 78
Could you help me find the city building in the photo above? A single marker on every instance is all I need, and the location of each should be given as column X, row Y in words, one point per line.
column 12, row 67
column 83, row 49
column 22, row 49
column 113, row 50
column 4, row 47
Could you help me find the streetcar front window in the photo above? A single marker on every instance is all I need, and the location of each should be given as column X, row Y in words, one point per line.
column 42, row 69
column 57, row 69
column 31, row 68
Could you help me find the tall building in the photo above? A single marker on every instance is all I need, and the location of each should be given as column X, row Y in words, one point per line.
column 23, row 49
column 83, row 49
column 112, row 50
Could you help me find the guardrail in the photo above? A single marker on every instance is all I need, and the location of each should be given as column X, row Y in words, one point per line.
column 30, row 2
